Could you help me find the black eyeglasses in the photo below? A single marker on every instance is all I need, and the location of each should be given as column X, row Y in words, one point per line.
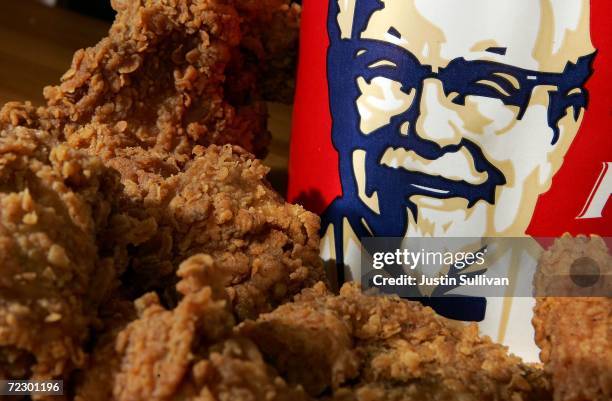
column 512, row 85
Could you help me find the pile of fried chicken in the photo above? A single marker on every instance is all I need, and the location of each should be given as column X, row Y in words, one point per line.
column 144, row 256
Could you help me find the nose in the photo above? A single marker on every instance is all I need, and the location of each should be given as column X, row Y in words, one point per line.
column 438, row 121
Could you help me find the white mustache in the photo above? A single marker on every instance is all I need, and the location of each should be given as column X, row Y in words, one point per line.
column 454, row 166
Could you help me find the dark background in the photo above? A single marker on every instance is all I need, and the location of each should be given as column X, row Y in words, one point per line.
column 97, row 8
column 94, row 8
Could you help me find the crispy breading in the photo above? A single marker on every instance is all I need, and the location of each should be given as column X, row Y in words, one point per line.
column 157, row 82
column 575, row 267
column 173, row 74
column 171, row 77
column 92, row 382
column 383, row 348
column 188, row 353
column 220, row 205
column 575, row 333
column 153, row 102
column 270, row 41
column 51, row 278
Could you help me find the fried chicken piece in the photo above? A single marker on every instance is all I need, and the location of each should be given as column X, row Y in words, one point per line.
column 157, row 82
column 51, row 279
column 383, row 348
column 575, row 267
column 220, row 205
column 173, row 74
column 267, row 250
column 575, row 333
column 15, row 363
column 93, row 379
column 269, row 46
column 188, row 353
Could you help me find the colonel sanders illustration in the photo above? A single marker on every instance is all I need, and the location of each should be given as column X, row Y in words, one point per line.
column 450, row 117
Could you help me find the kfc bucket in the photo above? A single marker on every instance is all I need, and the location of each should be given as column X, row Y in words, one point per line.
column 437, row 118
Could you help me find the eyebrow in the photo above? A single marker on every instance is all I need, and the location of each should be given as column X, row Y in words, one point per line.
column 368, row 47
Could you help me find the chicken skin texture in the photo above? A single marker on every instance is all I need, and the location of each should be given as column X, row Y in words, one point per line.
column 575, row 332
column 51, row 278
column 383, row 348
column 220, row 205
column 170, row 75
column 173, row 78
column 188, row 353
column 320, row 347
column 52, row 213
column 144, row 256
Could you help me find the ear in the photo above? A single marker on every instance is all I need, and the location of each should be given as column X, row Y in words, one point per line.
column 345, row 14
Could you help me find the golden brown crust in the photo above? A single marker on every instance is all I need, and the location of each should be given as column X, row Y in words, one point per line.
column 188, row 353
column 575, row 266
column 384, row 348
column 171, row 77
column 93, row 382
column 51, row 279
column 221, row 205
column 153, row 101
column 157, row 82
column 173, row 74
column 346, row 347
column 575, row 333
column 270, row 39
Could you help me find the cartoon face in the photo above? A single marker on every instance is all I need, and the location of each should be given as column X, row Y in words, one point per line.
column 451, row 118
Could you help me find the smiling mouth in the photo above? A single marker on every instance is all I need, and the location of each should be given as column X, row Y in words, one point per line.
column 452, row 166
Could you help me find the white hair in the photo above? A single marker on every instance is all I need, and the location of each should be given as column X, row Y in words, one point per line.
column 564, row 31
